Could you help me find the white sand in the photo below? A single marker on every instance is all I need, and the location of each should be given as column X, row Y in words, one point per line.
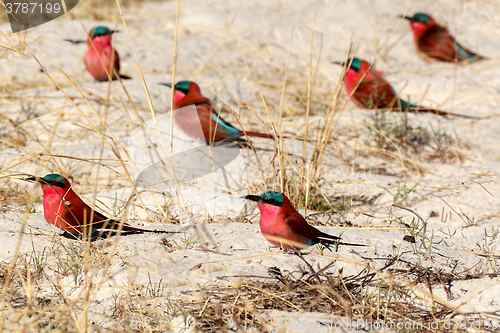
column 232, row 62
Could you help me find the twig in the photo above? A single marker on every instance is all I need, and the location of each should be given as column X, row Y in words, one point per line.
column 421, row 219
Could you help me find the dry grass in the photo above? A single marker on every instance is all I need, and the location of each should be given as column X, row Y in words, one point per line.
column 54, row 289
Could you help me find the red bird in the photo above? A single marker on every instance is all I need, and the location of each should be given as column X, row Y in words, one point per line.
column 63, row 208
column 215, row 129
column 101, row 56
column 374, row 92
column 279, row 219
column 435, row 43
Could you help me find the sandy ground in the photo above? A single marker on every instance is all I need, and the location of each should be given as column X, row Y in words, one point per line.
column 233, row 49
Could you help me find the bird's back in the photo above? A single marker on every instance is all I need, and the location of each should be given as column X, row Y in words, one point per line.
column 436, row 44
column 213, row 128
column 373, row 92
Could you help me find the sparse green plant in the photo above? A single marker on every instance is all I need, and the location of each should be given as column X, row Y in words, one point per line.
column 493, row 233
column 155, row 289
column 469, row 221
column 73, row 262
column 186, row 241
column 390, row 132
column 402, row 193
column 448, row 233
column 32, row 204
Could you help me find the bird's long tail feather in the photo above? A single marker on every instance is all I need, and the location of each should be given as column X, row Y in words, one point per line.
column 257, row 134
column 405, row 106
column 440, row 112
column 337, row 241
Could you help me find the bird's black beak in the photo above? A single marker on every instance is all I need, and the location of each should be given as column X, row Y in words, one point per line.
column 114, row 31
column 34, row 179
column 405, row 17
column 255, row 198
column 341, row 63
column 166, row 84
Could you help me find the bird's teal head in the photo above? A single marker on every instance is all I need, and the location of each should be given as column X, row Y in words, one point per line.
column 100, row 31
column 52, row 179
column 183, row 86
column 269, row 197
column 421, row 18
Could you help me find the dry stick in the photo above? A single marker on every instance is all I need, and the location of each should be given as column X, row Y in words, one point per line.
column 331, row 123
column 308, row 107
column 421, row 219
column 451, row 208
column 324, row 269
column 151, row 108
column 13, row 47
column 261, row 169
column 174, row 67
column 314, row 274
column 484, row 188
column 280, row 119
column 175, row 52
column 228, row 31
column 310, row 168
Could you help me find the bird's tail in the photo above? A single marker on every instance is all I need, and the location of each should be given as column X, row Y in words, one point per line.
column 467, row 55
column 111, row 224
column 326, row 239
column 261, row 135
column 337, row 241
column 130, row 229
column 405, row 106
column 123, row 77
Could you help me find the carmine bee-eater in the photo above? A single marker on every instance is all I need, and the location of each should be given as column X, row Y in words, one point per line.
column 435, row 43
column 63, row 208
column 101, row 56
column 374, row 92
column 215, row 129
column 279, row 219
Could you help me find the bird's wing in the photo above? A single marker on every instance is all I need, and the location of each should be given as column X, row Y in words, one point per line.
column 438, row 43
column 298, row 225
column 224, row 125
column 375, row 92
column 109, row 223
column 323, row 235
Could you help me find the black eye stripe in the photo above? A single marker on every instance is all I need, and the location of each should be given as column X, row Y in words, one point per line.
column 274, row 202
column 56, row 183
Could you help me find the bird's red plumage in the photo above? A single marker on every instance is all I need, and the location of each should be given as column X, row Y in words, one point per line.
column 435, row 43
column 189, row 119
column 373, row 92
column 99, row 58
column 63, row 208
column 285, row 222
